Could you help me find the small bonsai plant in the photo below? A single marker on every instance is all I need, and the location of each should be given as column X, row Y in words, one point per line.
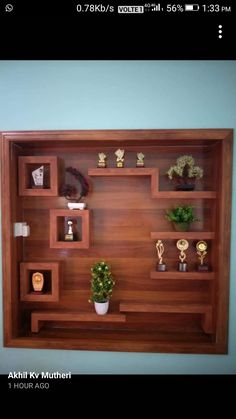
column 102, row 284
column 70, row 191
column 181, row 217
column 184, row 173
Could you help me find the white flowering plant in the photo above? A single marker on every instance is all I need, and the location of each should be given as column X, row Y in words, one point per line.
column 102, row 282
column 185, row 171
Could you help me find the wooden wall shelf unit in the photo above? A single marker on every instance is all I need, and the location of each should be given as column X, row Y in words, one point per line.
column 150, row 311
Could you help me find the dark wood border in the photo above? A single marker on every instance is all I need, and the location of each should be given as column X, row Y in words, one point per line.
column 149, row 137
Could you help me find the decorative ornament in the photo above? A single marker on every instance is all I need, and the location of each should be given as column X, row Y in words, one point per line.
column 70, row 191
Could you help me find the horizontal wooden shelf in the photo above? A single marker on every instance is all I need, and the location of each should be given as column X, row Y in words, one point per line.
column 186, row 194
column 138, row 171
column 203, row 276
column 173, row 307
column 154, row 173
column 194, row 235
column 38, row 318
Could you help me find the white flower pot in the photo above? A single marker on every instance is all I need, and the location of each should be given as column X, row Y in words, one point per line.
column 101, row 308
column 76, row 205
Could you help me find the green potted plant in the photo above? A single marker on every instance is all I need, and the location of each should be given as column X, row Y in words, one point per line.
column 184, row 173
column 102, row 284
column 181, row 217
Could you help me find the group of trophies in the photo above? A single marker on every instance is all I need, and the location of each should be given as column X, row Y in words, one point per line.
column 183, row 245
column 120, row 159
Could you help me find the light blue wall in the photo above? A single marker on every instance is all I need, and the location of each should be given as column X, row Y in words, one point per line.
column 120, row 94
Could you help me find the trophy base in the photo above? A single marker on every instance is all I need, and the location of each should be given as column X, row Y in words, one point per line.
column 203, row 268
column 102, row 164
column 69, row 238
column 139, row 164
column 183, row 267
column 161, row 267
column 120, row 164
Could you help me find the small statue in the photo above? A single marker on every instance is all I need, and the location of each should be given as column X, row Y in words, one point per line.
column 201, row 247
column 160, row 250
column 37, row 281
column 102, row 160
column 182, row 245
column 38, row 177
column 120, row 158
column 69, row 235
column 140, row 162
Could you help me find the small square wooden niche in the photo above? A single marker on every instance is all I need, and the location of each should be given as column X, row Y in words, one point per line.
column 81, row 219
column 27, row 164
column 51, row 274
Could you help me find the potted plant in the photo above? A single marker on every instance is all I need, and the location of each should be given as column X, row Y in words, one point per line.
column 181, row 217
column 184, row 173
column 72, row 193
column 102, row 284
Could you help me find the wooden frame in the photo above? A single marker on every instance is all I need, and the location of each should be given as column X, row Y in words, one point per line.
column 85, row 232
column 25, row 162
column 52, row 289
column 173, row 326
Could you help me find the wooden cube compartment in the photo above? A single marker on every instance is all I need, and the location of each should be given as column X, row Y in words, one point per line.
column 29, row 163
column 50, row 290
column 58, row 221
column 150, row 311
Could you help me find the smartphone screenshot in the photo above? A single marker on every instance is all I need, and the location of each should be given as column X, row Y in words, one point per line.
column 117, row 123
column 117, row 30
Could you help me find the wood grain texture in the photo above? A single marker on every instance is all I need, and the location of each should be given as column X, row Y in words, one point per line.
column 200, row 276
column 128, row 214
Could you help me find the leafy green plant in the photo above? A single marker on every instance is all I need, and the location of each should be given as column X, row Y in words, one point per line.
column 182, row 214
column 102, row 282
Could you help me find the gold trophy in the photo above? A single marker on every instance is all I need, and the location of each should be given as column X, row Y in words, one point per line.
column 69, row 236
column 160, row 250
column 37, row 281
column 182, row 245
column 102, row 160
column 201, row 247
column 140, row 162
column 120, row 158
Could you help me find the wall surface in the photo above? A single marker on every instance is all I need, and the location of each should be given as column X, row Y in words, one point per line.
column 38, row 95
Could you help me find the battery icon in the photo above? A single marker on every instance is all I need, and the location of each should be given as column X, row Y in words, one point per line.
column 191, row 7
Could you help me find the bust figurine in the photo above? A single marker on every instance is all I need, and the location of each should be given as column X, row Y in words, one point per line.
column 102, row 160
column 37, row 281
column 120, row 158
